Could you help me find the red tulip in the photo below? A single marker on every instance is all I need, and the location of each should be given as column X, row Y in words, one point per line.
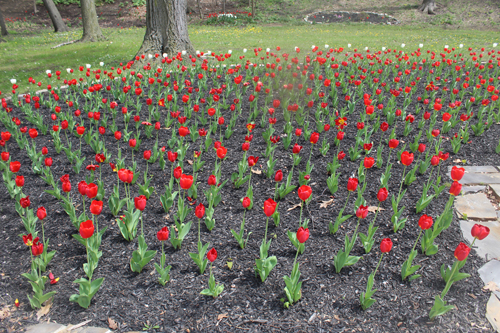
column 125, row 175
column 162, row 235
column 304, row 192
column 86, row 229
column 425, row 222
column 19, row 181
column 15, row 166
column 41, row 213
column 45, row 150
column 252, row 160
column 25, row 202
column 172, row 156
column 183, row 131
column 6, row 136
column 48, row 162
column 382, row 194
column 362, row 212
column 221, row 152
column 177, row 172
column 406, row 158
column 455, row 188
column 369, row 162
column 296, row 149
column 393, row 143
column 96, row 207
column 147, row 155
column 212, row 255
column 82, row 187
column 212, row 181
column 36, row 248
column 132, row 143
column 33, row 133
column 140, row 202
column 92, row 190
column 246, row 202
column 434, row 160
column 80, row 130
column 302, row 234
column 385, row 245
column 421, row 148
column 457, row 173
column 118, row 135
column 28, row 239
column 245, row 146
column 199, row 211
column 5, row 156
column 480, row 231
column 269, row 207
column 66, row 187
column 278, row 176
column 314, row 138
column 186, row 181
column 352, row 184
column 462, row 252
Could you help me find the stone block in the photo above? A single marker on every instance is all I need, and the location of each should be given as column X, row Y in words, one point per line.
column 487, row 248
column 475, row 206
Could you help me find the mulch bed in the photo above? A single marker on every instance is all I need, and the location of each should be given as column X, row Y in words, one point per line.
column 330, row 301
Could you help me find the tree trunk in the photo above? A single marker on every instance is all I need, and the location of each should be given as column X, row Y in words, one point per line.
column 428, row 7
column 55, row 17
column 224, row 7
column 91, row 30
column 253, row 8
column 34, row 4
column 199, row 9
column 3, row 28
column 166, row 28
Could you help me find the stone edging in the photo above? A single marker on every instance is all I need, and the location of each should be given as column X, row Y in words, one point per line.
column 391, row 20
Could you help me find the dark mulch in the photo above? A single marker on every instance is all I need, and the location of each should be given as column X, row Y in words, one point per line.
column 330, row 301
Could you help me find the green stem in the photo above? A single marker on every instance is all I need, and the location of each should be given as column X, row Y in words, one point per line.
column 347, row 200
column 300, row 219
column 162, row 253
column 402, row 181
column 376, row 269
column 414, row 245
column 265, row 234
column 450, row 281
column 142, row 226
column 199, row 237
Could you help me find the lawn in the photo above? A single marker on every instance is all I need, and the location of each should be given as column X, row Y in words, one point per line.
column 30, row 54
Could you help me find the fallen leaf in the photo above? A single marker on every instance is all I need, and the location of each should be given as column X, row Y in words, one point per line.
column 190, row 162
column 112, row 324
column 44, row 309
column 457, row 160
column 293, row 207
column 222, row 316
column 4, row 313
column 325, row 204
column 256, row 171
column 491, row 286
column 374, row 209
column 230, row 265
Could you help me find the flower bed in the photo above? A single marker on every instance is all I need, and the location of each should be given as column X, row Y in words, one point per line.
column 329, row 158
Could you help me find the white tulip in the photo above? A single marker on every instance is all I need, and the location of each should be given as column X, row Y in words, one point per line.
column 461, row 45
column 183, row 52
column 366, row 48
column 296, row 48
column 244, row 50
column 327, row 46
column 48, row 71
column 88, row 66
column 68, row 70
column 150, row 56
column 495, row 44
column 349, row 45
column 197, row 52
column 403, row 45
column 13, row 81
column 383, row 48
column 420, row 45
column 312, row 47
column 446, row 46
column 101, row 64
column 230, row 51
column 165, row 55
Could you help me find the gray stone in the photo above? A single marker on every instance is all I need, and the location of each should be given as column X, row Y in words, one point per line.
column 493, row 312
column 91, row 330
column 45, row 328
column 490, row 272
column 476, row 169
column 496, row 189
column 480, row 178
column 473, row 189
column 475, row 206
column 487, row 248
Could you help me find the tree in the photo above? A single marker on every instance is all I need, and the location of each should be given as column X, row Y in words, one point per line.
column 166, row 28
column 91, row 30
column 55, row 17
column 3, row 28
column 428, row 6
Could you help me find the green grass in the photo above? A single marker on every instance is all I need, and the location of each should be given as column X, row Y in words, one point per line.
column 26, row 55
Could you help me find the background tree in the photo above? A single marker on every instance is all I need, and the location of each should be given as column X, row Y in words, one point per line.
column 55, row 17
column 428, row 6
column 3, row 27
column 91, row 30
column 166, row 28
